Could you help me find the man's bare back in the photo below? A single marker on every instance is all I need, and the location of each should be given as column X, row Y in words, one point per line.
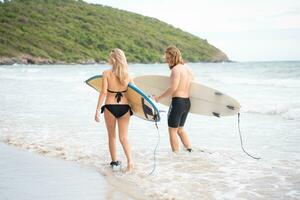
column 182, row 75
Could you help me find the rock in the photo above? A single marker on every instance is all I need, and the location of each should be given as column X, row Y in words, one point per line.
column 90, row 61
column 86, row 62
column 59, row 62
column 6, row 61
column 220, row 57
column 22, row 61
column 36, row 60
column 102, row 62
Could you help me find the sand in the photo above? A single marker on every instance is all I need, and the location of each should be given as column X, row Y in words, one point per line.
column 27, row 175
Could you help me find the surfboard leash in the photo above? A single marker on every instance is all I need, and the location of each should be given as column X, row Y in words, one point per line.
column 154, row 152
column 257, row 158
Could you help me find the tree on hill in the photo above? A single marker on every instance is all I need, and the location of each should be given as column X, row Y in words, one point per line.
column 70, row 31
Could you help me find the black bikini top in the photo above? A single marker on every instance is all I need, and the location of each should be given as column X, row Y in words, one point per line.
column 119, row 94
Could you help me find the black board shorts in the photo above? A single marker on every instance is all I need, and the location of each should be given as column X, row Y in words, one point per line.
column 178, row 111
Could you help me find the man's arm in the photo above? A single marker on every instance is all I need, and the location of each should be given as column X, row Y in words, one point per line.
column 174, row 82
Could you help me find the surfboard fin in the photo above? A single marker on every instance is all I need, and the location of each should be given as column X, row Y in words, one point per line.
column 218, row 93
column 230, row 107
column 216, row 114
column 156, row 117
column 146, row 109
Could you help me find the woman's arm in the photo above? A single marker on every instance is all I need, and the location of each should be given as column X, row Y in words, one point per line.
column 131, row 80
column 174, row 79
column 102, row 95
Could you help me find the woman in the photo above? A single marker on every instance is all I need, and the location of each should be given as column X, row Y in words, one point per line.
column 116, row 108
column 181, row 77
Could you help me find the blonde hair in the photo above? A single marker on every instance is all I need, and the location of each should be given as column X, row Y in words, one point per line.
column 118, row 61
column 173, row 56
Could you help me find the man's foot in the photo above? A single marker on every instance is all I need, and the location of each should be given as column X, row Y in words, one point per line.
column 189, row 150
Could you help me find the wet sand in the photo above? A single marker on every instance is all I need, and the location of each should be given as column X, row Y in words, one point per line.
column 26, row 175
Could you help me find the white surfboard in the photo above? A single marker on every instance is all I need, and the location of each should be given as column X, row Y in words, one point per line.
column 142, row 106
column 204, row 100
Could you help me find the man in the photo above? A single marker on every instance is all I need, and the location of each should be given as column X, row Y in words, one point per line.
column 180, row 81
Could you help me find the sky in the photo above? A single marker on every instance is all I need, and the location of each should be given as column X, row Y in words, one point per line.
column 246, row 30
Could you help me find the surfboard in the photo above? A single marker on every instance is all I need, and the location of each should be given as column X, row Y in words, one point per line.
column 142, row 106
column 204, row 100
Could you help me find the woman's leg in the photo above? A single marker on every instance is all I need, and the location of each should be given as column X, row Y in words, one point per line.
column 123, row 123
column 110, row 122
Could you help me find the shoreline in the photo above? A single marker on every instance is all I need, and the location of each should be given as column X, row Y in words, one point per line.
column 25, row 175
column 31, row 60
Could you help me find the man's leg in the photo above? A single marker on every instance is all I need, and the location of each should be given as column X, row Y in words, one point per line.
column 173, row 139
column 184, row 138
column 181, row 132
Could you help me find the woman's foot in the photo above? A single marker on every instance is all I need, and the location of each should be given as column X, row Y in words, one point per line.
column 115, row 163
column 130, row 167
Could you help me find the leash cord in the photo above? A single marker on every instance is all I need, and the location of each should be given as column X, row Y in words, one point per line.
column 257, row 158
column 154, row 152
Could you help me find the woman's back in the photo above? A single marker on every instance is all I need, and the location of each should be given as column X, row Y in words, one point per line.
column 115, row 88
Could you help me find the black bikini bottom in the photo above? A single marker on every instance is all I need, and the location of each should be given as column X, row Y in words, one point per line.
column 118, row 110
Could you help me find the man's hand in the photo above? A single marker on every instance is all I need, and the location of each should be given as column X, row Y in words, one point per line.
column 156, row 98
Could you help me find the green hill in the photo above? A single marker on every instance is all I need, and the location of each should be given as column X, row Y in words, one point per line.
column 69, row 31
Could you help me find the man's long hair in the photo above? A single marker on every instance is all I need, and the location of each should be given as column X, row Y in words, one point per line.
column 173, row 56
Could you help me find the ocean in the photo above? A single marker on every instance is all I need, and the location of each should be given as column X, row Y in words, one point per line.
column 49, row 109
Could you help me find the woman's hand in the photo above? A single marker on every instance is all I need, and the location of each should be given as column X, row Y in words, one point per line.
column 97, row 119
